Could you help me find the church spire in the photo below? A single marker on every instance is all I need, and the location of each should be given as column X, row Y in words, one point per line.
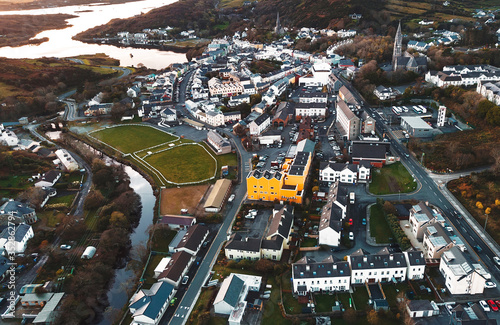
column 278, row 29
column 398, row 46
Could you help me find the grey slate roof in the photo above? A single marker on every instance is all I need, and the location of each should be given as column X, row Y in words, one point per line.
column 382, row 259
column 154, row 299
column 416, row 257
column 193, row 237
column 307, row 268
column 250, row 244
column 233, row 291
column 21, row 231
column 16, row 208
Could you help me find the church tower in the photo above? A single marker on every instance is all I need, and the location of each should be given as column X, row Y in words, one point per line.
column 278, row 29
column 398, row 47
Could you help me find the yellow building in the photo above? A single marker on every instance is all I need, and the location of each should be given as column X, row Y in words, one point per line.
column 287, row 184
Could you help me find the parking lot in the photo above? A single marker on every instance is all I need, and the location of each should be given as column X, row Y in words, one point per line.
column 256, row 227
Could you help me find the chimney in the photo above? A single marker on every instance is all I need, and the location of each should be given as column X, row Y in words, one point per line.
column 308, row 268
column 365, row 259
column 391, row 257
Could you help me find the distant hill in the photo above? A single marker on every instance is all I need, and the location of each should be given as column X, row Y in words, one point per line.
column 211, row 18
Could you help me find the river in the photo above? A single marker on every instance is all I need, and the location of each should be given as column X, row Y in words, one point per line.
column 61, row 44
column 124, row 280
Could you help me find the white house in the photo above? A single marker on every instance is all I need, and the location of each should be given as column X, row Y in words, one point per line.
column 344, row 173
column 168, row 114
column 176, row 268
column 422, row 308
column 260, row 124
column 327, row 276
column 313, row 97
column 383, row 266
column 415, row 261
column 193, row 239
column 310, row 109
column 219, row 143
column 49, row 179
column 332, row 215
column 66, row 160
column 19, row 210
column 421, row 216
column 436, row 241
column 161, row 266
column 22, row 233
column 147, row 306
column 320, row 73
column 8, row 137
column 490, row 90
column 384, row 93
column 461, row 278
column 238, row 248
column 233, row 291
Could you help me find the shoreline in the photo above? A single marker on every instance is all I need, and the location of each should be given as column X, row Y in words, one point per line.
column 166, row 48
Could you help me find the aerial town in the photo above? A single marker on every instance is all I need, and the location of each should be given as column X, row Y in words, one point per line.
column 259, row 182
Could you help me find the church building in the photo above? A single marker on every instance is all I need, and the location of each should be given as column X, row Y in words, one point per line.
column 406, row 60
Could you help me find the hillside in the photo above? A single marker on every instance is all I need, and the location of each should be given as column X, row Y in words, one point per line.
column 213, row 18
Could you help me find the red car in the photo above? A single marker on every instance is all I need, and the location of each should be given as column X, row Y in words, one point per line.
column 492, row 304
column 350, row 222
column 497, row 302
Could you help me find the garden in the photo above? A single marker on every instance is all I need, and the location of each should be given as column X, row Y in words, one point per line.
column 392, row 179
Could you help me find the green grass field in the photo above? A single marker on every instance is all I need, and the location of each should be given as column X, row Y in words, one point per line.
column 378, row 225
column 131, row 138
column 189, row 163
column 392, row 179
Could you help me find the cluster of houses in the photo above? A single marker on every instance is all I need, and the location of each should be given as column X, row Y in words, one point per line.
column 490, row 90
column 463, row 75
column 271, row 245
column 147, row 306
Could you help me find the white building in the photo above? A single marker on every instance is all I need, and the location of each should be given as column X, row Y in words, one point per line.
column 384, row 93
column 8, row 137
column 415, row 260
column 260, row 124
column 161, row 266
column 313, row 97
column 461, row 278
column 319, row 75
column 422, row 308
column 344, row 173
column 422, row 216
column 310, row 109
column 490, row 90
column 233, row 291
column 332, row 215
column 463, row 75
column 49, row 179
column 327, row 276
column 224, row 89
column 383, row 266
column 436, row 241
column 22, row 233
column 176, row 268
column 66, row 160
column 147, row 306
column 349, row 123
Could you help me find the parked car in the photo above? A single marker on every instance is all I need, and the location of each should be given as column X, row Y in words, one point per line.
column 173, row 301
column 65, row 247
column 496, row 259
column 363, row 222
column 350, row 222
column 351, row 235
column 492, row 304
column 490, row 285
column 485, row 306
column 231, row 198
column 185, row 279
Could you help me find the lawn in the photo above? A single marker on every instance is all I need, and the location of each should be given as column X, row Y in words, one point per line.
column 51, row 217
column 309, row 242
column 131, row 138
column 66, row 199
column 15, row 181
column 229, row 159
column 392, row 290
column 272, row 313
column 360, row 296
column 184, row 164
column 392, row 179
column 379, row 229
column 162, row 238
column 324, row 303
column 150, row 269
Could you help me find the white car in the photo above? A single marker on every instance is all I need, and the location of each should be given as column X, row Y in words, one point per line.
column 496, row 259
column 351, row 235
column 231, row 198
column 65, row 247
column 185, row 279
column 490, row 285
column 485, row 306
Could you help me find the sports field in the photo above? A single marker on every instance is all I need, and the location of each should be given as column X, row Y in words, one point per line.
column 183, row 164
column 131, row 138
column 169, row 159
